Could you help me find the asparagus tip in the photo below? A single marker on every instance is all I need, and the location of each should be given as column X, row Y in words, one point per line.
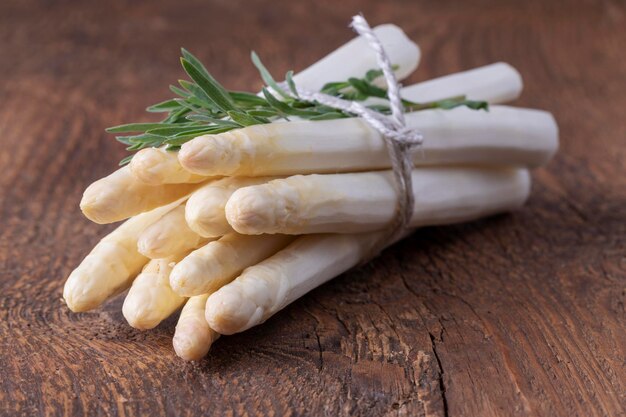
column 228, row 311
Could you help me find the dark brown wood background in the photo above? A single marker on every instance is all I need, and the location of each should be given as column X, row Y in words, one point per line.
column 518, row 315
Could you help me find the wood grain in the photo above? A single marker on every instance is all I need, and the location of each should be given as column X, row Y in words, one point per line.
column 517, row 315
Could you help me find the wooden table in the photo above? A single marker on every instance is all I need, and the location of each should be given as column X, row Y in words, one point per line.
column 516, row 315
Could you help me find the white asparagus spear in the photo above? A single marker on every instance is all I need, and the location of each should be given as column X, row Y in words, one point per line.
column 495, row 83
column 503, row 135
column 111, row 265
column 366, row 202
column 217, row 263
column 150, row 299
column 193, row 336
column 169, row 236
column 156, row 166
column 121, row 195
column 204, row 212
column 264, row 289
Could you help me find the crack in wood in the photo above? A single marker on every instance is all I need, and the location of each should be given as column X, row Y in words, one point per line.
column 442, row 385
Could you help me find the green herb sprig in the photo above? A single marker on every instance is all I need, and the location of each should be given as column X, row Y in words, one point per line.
column 203, row 106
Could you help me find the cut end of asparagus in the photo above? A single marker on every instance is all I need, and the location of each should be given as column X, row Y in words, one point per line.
column 553, row 138
column 509, row 76
column 229, row 311
column 494, row 83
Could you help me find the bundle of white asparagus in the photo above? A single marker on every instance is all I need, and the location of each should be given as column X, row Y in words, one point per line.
column 234, row 221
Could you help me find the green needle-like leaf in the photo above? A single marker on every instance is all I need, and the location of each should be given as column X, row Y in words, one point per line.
column 201, row 97
column 212, row 88
column 179, row 92
column 283, row 107
column 334, row 88
column 366, row 88
column 145, row 138
column 263, row 113
column 212, row 120
column 183, row 138
column 126, row 160
column 124, row 140
column 133, row 127
column 177, row 116
column 246, row 119
column 372, row 74
column 247, row 99
column 291, row 83
column 163, row 106
column 170, row 131
column 267, row 77
column 195, row 62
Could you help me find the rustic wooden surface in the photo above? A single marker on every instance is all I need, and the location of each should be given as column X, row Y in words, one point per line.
column 518, row 315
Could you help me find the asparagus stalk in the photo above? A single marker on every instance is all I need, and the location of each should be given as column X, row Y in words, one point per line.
column 111, row 265
column 458, row 136
column 204, row 211
column 156, row 166
column 264, row 289
column 495, row 83
column 193, row 336
column 121, row 195
column 364, row 202
column 150, row 299
column 169, row 236
column 217, row 263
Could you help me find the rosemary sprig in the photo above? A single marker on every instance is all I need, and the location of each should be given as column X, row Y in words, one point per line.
column 204, row 106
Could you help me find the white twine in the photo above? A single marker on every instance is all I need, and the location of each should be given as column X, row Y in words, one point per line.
column 399, row 140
